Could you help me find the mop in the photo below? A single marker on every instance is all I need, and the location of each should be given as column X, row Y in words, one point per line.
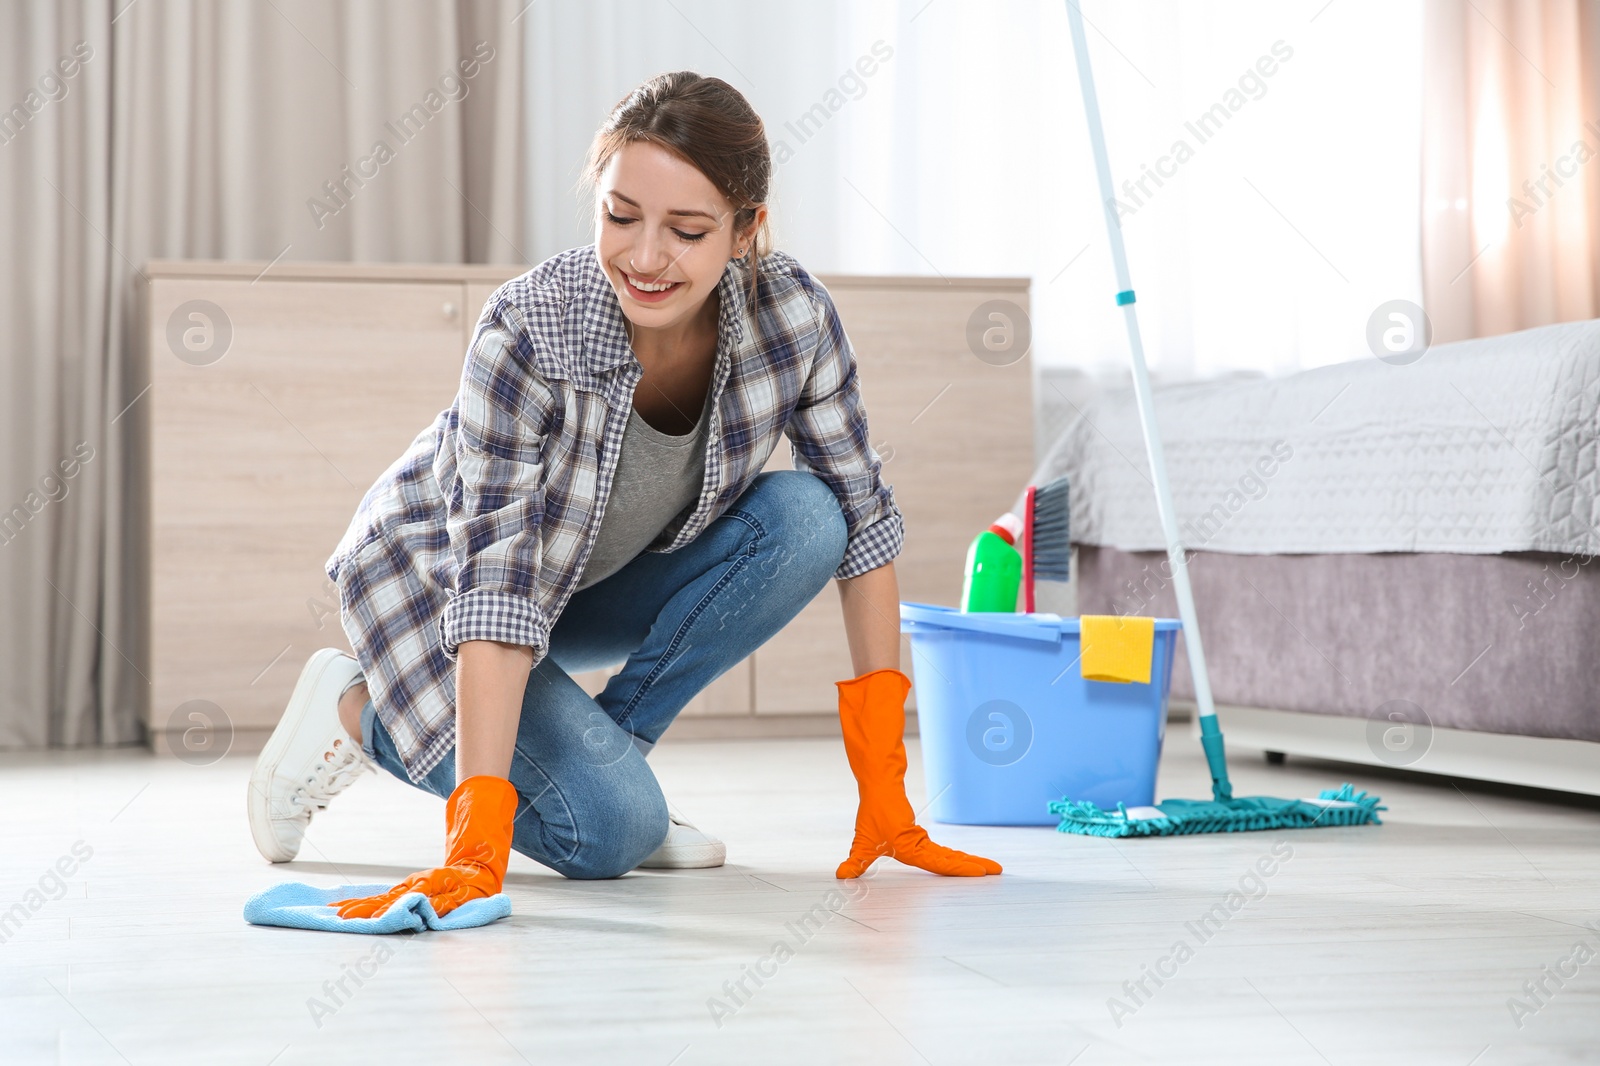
column 1223, row 812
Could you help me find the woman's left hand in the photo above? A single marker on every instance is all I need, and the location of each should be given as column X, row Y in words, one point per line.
column 873, row 716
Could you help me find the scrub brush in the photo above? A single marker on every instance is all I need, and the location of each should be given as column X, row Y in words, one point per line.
column 1046, row 543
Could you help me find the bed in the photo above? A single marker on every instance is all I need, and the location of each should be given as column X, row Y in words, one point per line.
column 1392, row 564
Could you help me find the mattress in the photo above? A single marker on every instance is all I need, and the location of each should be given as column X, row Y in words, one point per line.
column 1480, row 447
column 1496, row 644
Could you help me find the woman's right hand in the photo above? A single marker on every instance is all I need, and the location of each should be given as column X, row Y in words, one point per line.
column 479, row 818
column 491, row 679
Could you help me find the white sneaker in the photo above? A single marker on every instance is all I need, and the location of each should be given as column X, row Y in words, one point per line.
column 308, row 760
column 686, row 848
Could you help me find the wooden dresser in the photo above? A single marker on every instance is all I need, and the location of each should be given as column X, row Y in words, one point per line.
column 277, row 398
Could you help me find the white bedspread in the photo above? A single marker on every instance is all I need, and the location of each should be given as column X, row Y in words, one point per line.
column 1482, row 446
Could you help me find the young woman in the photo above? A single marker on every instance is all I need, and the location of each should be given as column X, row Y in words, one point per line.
column 594, row 496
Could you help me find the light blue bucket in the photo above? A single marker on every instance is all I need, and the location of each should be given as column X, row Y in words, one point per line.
column 1008, row 723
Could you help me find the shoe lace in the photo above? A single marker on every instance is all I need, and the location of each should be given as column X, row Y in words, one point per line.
column 330, row 777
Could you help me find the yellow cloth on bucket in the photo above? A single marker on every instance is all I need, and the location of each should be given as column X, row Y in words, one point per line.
column 1116, row 648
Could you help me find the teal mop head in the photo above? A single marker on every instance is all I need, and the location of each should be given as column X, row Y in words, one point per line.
column 1340, row 806
column 1222, row 813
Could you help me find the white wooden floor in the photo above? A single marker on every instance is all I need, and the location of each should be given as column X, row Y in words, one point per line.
column 1399, row 944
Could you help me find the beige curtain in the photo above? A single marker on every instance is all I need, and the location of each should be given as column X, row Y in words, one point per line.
column 171, row 129
column 1511, row 164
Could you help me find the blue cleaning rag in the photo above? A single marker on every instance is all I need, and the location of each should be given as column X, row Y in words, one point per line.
column 301, row 906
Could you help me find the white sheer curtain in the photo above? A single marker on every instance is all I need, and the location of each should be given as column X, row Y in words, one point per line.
column 964, row 152
column 1296, row 214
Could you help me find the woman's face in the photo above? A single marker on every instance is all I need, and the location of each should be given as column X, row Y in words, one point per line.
column 663, row 233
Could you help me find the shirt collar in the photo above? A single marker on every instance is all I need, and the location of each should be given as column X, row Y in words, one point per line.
column 605, row 338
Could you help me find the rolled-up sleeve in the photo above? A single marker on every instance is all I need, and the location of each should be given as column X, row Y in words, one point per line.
column 829, row 438
column 495, row 502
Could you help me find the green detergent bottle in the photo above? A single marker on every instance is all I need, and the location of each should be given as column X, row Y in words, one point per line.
column 994, row 569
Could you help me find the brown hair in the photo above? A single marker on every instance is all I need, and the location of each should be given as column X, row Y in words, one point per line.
column 707, row 123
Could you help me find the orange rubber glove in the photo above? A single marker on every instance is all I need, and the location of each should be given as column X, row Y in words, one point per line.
column 478, row 819
column 872, row 710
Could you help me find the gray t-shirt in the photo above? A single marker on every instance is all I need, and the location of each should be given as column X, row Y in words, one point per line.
column 658, row 475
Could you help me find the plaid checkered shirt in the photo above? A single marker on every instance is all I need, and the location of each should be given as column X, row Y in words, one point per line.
column 481, row 529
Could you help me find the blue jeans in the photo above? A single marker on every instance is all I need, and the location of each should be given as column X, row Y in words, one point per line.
column 588, row 806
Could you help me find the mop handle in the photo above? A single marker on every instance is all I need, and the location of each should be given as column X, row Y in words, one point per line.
column 1141, row 376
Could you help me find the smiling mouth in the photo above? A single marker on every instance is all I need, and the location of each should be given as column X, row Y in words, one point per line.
column 647, row 289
